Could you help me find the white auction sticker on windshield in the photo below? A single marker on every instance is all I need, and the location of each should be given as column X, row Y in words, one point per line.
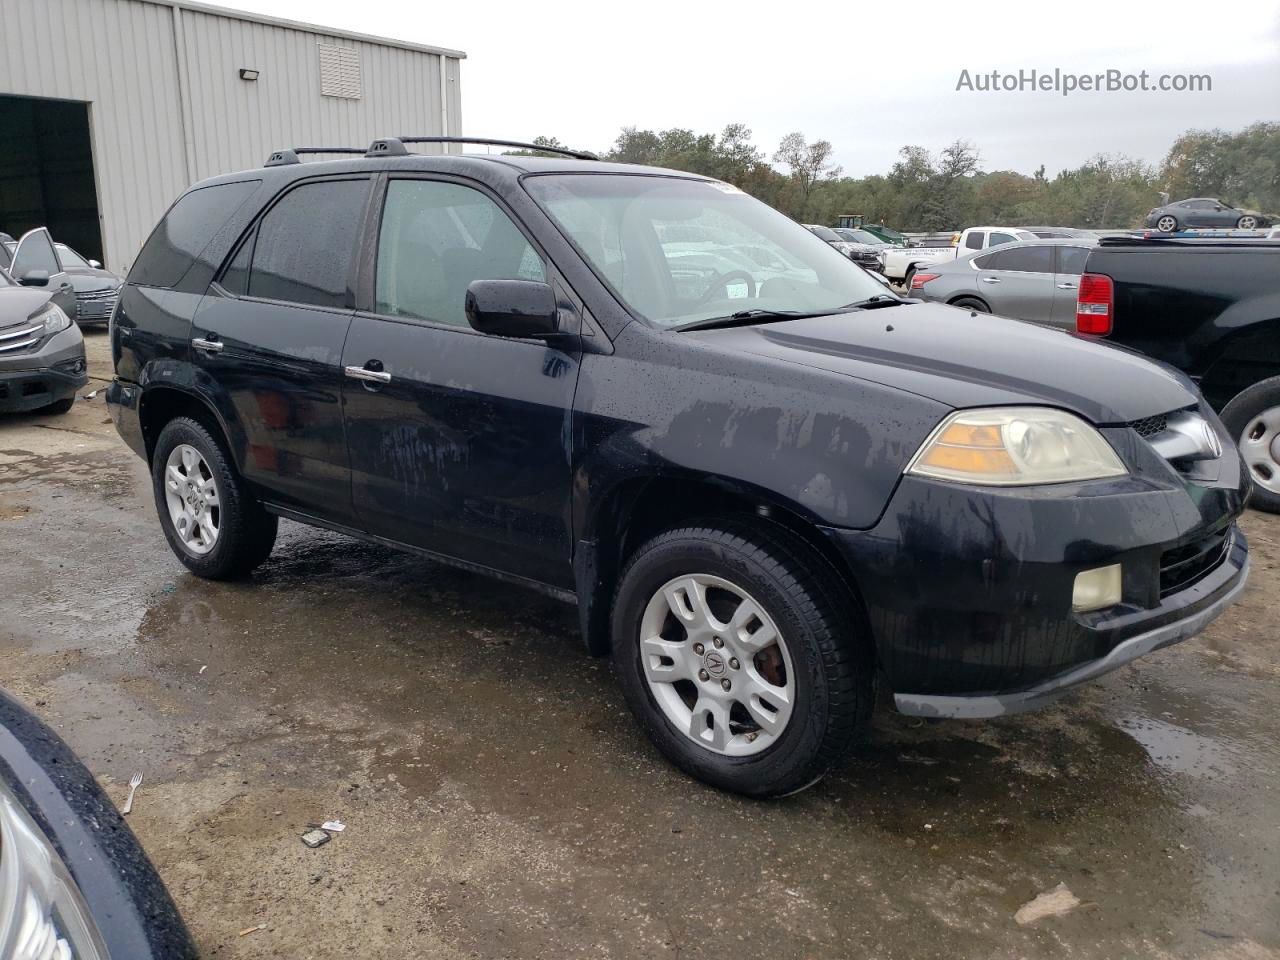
column 737, row 290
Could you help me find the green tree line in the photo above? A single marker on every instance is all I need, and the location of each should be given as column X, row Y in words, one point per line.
column 949, row 189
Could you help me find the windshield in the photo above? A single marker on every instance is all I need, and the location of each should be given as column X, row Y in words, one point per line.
column 678, row 251
column 824, row 233
column 858, row 236
column 69, row 257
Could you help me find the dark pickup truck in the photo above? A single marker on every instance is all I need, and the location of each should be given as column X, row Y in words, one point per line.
column 1211, row 309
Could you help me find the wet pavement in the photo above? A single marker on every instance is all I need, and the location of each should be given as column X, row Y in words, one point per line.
column 499, row 801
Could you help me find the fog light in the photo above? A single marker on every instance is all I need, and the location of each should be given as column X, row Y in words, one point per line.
column 1096, row 589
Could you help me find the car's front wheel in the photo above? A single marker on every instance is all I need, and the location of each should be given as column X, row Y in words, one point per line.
column 1253, row 418
column 212, row 522
column 1247, row 223
column 741, row 658
column 1167, row 224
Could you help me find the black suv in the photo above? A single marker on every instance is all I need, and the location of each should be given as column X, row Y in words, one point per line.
column 764, row 480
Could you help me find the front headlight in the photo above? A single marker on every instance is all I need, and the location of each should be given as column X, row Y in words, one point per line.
column 1015, row 446
column 42, row 915
column 52, row 317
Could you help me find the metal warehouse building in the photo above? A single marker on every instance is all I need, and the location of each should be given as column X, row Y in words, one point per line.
column 110, row 108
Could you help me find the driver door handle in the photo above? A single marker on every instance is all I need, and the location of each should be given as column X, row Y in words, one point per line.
column 211, row 346
column 990, row 279
column 372, row 376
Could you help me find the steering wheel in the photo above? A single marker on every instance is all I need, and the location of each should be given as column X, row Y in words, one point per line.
column 721, row 280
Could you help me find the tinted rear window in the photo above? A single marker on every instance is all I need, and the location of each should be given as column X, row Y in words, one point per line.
column 306, row 244
column 1022, row 259
column 186, row 230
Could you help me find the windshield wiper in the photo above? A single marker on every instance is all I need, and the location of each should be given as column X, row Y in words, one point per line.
column 874, row 303
column 744, row 317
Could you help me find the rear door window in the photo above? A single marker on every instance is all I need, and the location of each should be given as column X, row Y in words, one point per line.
column 306, row 244
column 1026, row 259
column 186, row 230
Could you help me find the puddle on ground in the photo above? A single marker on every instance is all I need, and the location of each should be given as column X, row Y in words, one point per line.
column 1178, row 750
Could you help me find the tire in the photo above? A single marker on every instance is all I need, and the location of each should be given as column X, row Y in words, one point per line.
column 1253, row 420
column 1167, row 223
column 1247, row 223
column 245, row 533
column 59, row 406
column 906, row 280
column 971, row 303
column 823, row 655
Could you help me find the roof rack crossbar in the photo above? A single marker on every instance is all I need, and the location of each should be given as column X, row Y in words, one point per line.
column 283, row 157
column 394, row 146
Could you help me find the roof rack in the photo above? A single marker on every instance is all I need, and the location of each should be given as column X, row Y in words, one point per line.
column 284, row 157
column 395, row 146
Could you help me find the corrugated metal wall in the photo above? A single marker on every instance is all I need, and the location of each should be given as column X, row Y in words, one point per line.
column 168, row 107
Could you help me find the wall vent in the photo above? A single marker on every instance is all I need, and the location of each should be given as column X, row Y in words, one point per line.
column 339, row 71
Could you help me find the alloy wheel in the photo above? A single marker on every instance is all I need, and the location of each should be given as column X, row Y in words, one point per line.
column 1166, row 224
column 1247, row 223
column 192, row 496
column 717, row 664
column 1260, row 447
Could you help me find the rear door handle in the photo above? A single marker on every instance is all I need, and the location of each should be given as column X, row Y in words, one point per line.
column 990, row 279
column 1066, row 286
column 372, row 376
column 211, row 346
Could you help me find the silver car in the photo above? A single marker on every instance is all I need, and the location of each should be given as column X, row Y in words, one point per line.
column 1032, row 280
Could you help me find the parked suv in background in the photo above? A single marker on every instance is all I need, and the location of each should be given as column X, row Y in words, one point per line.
column 96, row 288
column 1211, row 308
column 42, row 360
column 762, row 488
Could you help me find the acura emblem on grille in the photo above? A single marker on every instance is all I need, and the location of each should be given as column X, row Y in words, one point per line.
column 1188, row 436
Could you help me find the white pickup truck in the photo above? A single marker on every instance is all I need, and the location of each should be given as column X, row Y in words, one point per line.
column 898, row 262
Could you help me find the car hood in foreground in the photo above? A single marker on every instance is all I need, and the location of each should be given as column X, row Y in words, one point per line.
column 963, row 360
column 18, row 303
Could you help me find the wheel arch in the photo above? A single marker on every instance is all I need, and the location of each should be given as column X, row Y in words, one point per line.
column 954, row 301
column 161, row 403
column 639, row 508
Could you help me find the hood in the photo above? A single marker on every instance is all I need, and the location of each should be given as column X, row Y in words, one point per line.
column 87, row 281
column 963, row 360
column 18, row 303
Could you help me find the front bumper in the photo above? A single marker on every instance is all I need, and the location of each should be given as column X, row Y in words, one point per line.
column 22, row 390
column 968, row 590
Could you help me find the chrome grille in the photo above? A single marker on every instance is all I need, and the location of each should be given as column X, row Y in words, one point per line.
column 13, row 340
column 96, row 304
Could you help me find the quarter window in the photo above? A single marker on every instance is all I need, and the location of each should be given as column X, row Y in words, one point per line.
column 306, row 244
column 186, row 230
column 436, row 238
column 1072, row 259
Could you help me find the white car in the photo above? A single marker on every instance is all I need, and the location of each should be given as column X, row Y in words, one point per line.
column 899, row 262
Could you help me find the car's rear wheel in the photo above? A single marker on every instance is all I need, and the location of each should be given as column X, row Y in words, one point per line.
column 1253, row 418
column 971, row 303
column 212, row 522
column 741, row 658
column 1247, row 223
column 1167, row 224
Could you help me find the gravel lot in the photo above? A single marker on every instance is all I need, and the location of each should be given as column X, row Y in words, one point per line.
column 500, row 802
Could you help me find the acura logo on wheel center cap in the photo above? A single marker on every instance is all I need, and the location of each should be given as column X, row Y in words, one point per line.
column 714, row 663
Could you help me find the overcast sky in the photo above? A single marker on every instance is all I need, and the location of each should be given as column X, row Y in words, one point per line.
column 868, row 76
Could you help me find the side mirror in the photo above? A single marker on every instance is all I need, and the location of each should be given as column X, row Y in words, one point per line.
column 34, row 278
column 96, row 264
column 512, row 308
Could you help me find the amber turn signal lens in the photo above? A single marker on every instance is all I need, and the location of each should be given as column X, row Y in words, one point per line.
column 972, row 460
